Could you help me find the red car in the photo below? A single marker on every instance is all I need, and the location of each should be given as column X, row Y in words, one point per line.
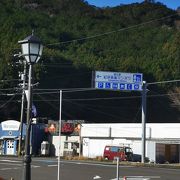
column 123, row 152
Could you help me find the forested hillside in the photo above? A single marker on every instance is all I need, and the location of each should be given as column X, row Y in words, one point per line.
column 78, row 39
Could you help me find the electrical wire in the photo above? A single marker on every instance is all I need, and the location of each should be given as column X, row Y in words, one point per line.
column 118, row 98
column 91, row 109
column 104, row 98
column 162, row 82
column 3, row 105
column 135, row 117
column 111, row 32
column 68, row 90
column 56, row 91
column 93, row 89
column 6, row 80
column 54, row 107
column 66, row 75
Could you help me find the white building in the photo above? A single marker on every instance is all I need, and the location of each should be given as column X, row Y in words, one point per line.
column 67, row 145
column 162, row 139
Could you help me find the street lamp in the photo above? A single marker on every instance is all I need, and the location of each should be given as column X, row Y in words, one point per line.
column 31, row 51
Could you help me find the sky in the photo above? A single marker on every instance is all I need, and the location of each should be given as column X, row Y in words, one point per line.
column 173, row 4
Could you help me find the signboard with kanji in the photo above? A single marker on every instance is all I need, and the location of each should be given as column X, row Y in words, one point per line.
column 118, row 81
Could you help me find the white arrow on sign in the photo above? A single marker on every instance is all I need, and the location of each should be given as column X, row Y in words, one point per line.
column 96, row 177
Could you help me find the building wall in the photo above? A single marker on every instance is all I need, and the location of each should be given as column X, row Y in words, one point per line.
column 10, row 134
column 55, row 144
column 96, row 136
column 94, row 147
column 99, row 144
column 159, row 130
column 151, row 151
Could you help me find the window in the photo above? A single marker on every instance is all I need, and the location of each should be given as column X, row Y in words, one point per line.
column 114, row 149
column 128, row 150
column 65, row 145
column 121, row 149
column 74, row 145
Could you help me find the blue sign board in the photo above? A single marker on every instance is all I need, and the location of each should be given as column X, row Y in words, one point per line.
column 118, row 81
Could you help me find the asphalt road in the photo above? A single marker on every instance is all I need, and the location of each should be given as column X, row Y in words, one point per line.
column 47, row 168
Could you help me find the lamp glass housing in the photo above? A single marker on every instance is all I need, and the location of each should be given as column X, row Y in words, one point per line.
column 31, row 49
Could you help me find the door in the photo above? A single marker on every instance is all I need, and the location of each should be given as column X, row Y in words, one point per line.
column 10, row 147
column 168, row 153
column 116, row 151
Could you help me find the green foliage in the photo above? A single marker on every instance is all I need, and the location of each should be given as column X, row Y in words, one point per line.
column 150, row 48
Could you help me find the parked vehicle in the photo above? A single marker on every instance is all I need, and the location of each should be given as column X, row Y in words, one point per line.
column 123, row 152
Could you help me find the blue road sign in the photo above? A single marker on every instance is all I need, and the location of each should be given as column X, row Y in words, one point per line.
column 100, row 85
column 122, row 86
column 129, row 87
column 118, row 81
column 107, row 85
column 136, row 86
column 115, row 85
column 137, row 78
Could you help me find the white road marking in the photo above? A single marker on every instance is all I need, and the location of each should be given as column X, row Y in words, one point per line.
column 11, row 164
column 94, row 164
column 138, row 178
column 52, row 165
column 7, row 160
column 15, row 168
column 33, row 166
column 3, row 169
column 96, row 177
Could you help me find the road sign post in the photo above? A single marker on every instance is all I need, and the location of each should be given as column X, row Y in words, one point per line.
column 117, row 168
column 144, row 91
column 125, row 82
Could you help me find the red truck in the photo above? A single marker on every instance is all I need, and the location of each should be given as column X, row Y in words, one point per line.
column 123, row 152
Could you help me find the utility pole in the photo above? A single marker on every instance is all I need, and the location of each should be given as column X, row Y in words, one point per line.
column 80, row 144
column 59, row 140
column 23, row 77
column 144, row 92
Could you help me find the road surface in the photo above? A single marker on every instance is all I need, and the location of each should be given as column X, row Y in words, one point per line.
column 47, row 168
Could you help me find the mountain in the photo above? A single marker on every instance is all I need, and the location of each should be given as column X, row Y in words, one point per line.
column 78, row 39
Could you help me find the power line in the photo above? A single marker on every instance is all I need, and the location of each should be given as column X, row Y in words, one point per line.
column 94, row 99
column 68, row 90
column 111, row 32
column 126, row 97
column 10, row 94
column 72, row 90
column 91, row 109
column 68, row 75
column 111, row 98
column 56, row 91
column 6, row 80
column 7, row 89
column 94, row 89
column 3, row 105
column 162, row 82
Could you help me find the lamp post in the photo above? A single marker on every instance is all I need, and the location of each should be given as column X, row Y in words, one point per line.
column 31, row 51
